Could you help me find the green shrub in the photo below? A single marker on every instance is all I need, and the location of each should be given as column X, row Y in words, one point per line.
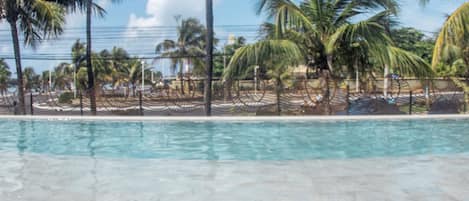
column 66, row 98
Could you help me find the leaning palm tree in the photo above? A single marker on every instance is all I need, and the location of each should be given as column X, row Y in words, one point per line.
column 187, row 49
column 37, row 19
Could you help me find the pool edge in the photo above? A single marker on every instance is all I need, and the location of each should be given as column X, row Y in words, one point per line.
column 236, row 118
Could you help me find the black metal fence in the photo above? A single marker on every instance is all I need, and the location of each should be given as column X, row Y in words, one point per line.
column 254, row 98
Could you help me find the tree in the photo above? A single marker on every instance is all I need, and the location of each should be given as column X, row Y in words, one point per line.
column 274, row 56
column 413, row 40
column 63, row 76
column 38, row 19
column 187, row 49
column 221, row 62
column 5, row 76
column 31, row 79
column 209, row 58
column 88, row 7
column 453, row 36
column 327, row 31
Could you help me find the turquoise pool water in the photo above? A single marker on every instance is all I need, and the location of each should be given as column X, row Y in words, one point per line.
column 221, row 140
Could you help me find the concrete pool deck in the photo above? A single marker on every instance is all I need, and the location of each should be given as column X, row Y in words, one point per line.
column 59, row 178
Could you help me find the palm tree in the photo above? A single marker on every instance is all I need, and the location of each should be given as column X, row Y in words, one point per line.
column 5, row 75
column 187, row 49
column 38, row 19
column 453, row 36
column 31, row 79
column 209, row 58
column 326, row 30
column 63, row 76
column 274, row 56
column 87, row 6
column 221, row 63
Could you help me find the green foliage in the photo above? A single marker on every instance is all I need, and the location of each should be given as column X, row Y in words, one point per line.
column 187, row 48
column 331, row 37
column 31, row 79
column 66, row 98
column 5, row 76
column 228, row 50
column 453, row 33
column 413, row 40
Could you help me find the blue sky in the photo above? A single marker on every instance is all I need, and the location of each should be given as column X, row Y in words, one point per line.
column 126, row 24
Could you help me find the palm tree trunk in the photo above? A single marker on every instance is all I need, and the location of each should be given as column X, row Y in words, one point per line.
column 327, row 95
column 209, row 58
column 181, row 78
column 385, row 81
column 278, row 90
column 330, row 62
column 228, row 83
column 19, row 71
column 89, row 67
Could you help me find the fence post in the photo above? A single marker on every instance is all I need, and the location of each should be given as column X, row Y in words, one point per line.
column 81, row 103
column 348, row 99
column 140, row 102
column 410, row 103
column 31, row 103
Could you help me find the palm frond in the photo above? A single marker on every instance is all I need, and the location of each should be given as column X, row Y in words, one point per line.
column 455, row 30
column 267, row 53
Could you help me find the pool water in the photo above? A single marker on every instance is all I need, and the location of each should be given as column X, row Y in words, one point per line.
column 240, row 140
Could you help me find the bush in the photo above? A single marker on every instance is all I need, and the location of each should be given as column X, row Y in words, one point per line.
column 66, row 98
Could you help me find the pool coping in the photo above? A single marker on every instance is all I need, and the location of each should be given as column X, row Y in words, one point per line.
column 235, row 118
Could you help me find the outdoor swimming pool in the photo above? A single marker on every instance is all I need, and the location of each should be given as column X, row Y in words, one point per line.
column 237, row 140
column 305, row 159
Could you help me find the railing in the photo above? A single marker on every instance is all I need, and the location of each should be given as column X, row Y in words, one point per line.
column 250, row 98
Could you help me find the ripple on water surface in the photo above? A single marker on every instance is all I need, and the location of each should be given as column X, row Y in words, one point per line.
column 224, row 140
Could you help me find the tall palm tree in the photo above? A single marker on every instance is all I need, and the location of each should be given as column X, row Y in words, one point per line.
column 324, row 29
column 209, row 58
column 5, row 75
column 36, row 19
column 87, row 6
column 89, row 67
column 187, row 49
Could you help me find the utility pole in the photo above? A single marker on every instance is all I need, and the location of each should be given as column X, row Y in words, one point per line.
column 209, row 58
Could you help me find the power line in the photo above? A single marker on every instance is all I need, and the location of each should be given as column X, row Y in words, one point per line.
column 111, row 59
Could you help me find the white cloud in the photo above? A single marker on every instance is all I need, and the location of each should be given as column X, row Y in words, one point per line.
column 162, row 12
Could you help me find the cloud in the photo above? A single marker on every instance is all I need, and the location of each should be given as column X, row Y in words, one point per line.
column 162, row 12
